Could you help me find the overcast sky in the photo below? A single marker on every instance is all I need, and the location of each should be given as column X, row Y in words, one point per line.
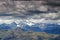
column 33, row 11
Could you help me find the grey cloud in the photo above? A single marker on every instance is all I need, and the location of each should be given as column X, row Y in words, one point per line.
column 28, row 9
column 53, row 2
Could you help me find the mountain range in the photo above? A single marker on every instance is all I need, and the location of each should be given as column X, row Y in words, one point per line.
column 53, row 28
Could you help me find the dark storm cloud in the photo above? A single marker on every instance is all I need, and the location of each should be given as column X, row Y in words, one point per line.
column 53, row 4
column 33, row 12
column 29, row 9
column 25, row 0
column 22, row 7
column 5, row 14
